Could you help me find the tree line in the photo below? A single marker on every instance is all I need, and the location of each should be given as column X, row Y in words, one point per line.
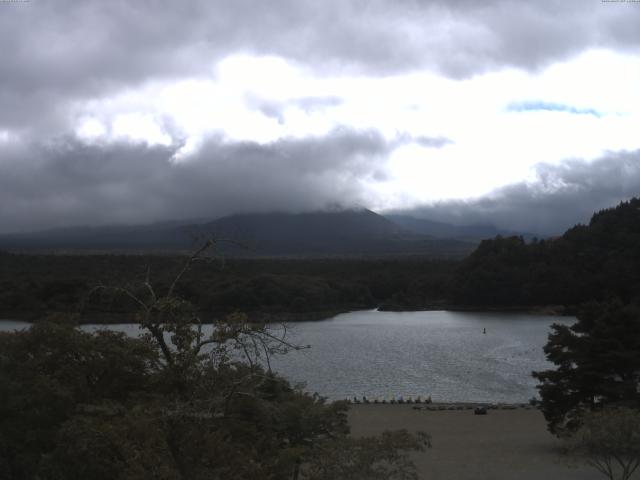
column 31, row 286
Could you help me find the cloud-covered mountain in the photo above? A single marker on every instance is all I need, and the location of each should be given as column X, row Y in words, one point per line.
column 340, row 232
column 69, row 183
column 73, row 183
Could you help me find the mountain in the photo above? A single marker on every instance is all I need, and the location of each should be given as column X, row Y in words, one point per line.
column 326, row 233
column 447, row 230
column 165, row 235
column 347, row 232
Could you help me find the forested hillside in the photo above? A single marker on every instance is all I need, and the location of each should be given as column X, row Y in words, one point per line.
column 32, row 286
column 589, row 262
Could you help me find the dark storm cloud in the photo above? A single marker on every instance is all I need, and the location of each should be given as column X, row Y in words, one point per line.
column 562, row 196
column 67, row 182
column 56, row 52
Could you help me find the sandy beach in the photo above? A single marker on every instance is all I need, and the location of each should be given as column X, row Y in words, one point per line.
column 502, row 445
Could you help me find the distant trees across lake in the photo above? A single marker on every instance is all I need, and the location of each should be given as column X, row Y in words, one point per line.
column 33, row 285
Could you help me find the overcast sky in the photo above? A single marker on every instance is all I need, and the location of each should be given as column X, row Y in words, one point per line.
column 521, row 114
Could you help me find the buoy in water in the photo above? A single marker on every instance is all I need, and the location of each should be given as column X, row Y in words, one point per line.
column 484, row 330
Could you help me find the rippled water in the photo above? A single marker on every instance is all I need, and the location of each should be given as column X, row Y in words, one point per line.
column 385, row 354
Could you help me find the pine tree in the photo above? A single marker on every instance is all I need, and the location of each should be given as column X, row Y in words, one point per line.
column 597, row 363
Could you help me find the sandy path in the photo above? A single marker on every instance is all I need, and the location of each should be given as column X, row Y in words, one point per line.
column 505, row 444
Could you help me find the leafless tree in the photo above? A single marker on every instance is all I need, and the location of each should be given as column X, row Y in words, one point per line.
column 609, row 439
column 175, row 325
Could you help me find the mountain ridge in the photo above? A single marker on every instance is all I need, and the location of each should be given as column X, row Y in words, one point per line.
column 447, row 230
column 335, row 232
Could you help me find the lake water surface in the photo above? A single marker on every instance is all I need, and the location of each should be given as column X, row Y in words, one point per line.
column 439, row 353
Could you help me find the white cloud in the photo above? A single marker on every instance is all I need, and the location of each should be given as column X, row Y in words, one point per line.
column 90, row 128
column 139, row 127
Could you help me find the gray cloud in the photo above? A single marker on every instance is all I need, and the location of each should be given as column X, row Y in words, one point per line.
column 562, row 196
column 61, row 51
column 67, row 182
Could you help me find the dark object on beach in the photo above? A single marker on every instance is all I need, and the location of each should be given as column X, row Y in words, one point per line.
column 480, row 411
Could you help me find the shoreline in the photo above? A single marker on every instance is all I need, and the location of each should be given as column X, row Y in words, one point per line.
column 441, row 406
column 559, row 310
column 115, row 318
column 112, row 318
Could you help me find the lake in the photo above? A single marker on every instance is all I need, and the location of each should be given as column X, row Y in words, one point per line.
column 389, row 354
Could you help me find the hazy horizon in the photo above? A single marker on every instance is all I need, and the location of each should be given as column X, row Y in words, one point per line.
column 332, row 209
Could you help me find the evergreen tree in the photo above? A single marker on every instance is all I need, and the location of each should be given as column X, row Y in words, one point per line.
column 597, row 363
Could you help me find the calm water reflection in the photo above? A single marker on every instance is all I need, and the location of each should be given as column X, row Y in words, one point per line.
column 442, row 354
